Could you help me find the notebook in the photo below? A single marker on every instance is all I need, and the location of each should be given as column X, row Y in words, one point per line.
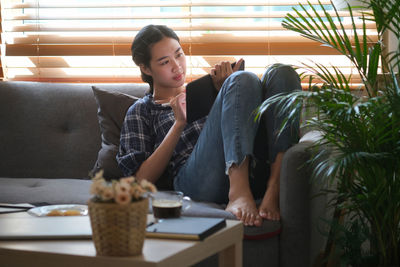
column 191, row 228
column 64, row 227
column 200, row 96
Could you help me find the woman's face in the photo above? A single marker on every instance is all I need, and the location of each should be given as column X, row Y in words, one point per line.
column 167, row 64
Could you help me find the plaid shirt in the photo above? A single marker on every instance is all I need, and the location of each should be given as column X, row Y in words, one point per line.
column 145, row 126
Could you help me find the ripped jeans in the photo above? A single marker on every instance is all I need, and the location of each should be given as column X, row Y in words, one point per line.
column 229, row 134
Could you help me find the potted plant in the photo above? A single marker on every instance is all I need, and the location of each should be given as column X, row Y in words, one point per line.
column 359, row 149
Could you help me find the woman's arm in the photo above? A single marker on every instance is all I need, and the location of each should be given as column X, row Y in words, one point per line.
column 153, row 167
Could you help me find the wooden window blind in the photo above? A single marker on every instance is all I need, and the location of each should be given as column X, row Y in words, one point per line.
column 89, row 40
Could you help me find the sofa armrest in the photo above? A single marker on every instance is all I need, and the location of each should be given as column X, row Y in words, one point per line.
column 301, row 209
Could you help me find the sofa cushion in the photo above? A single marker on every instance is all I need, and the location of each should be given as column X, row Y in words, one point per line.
column 47, row 130
column 39, row 191
column 112, row 107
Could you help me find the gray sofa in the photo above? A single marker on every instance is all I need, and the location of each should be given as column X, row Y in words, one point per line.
column 52, row 135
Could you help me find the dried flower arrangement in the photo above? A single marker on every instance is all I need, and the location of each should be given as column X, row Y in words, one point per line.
column 122, row 191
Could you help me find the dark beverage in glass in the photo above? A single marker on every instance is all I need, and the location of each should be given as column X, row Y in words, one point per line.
column 166, row 208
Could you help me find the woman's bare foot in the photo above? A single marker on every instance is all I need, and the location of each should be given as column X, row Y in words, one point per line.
column 269, row 208
column 241, row 201
column 244, row 208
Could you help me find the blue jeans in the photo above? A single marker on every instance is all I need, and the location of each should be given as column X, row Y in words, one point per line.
column 227, row 137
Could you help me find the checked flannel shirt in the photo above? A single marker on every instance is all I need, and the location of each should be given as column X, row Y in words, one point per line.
column 145, row 126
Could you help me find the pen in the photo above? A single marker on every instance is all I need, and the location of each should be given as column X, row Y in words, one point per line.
column 15, row 206
column 150, row 224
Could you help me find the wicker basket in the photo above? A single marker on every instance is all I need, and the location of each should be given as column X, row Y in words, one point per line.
column 118, row 230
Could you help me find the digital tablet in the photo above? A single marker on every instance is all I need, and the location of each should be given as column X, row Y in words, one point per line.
column 200, row 96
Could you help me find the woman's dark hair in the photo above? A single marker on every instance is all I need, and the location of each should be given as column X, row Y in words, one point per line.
column 142, row 44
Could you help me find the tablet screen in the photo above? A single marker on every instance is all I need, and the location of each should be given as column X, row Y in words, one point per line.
column 200, row 96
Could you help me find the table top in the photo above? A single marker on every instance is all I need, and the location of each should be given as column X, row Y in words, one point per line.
column 156, row 252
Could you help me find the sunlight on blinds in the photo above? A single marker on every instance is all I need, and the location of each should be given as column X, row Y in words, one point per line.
column 89, row 41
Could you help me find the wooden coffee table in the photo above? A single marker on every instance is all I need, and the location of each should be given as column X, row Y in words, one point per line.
column 227, row 243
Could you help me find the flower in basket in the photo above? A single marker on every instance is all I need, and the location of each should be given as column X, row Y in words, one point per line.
column 118, row 214
column 122, row 191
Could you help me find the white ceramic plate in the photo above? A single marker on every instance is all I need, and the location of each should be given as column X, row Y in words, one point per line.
column 60, row 210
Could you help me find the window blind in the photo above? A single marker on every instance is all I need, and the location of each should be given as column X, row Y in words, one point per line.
column 89, row 40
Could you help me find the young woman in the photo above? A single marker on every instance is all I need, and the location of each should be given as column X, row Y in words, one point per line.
column 207, row 159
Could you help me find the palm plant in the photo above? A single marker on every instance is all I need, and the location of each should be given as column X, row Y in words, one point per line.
column 359, row 150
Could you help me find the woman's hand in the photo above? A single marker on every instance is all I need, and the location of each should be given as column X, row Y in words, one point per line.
column 222, row 71
column 178, row 105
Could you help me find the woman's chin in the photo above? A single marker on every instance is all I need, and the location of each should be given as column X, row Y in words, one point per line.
column 180, row 82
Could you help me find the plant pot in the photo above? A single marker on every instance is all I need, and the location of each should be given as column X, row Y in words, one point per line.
column 118, row 230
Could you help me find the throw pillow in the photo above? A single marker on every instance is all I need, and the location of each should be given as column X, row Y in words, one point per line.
column 112, row 107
